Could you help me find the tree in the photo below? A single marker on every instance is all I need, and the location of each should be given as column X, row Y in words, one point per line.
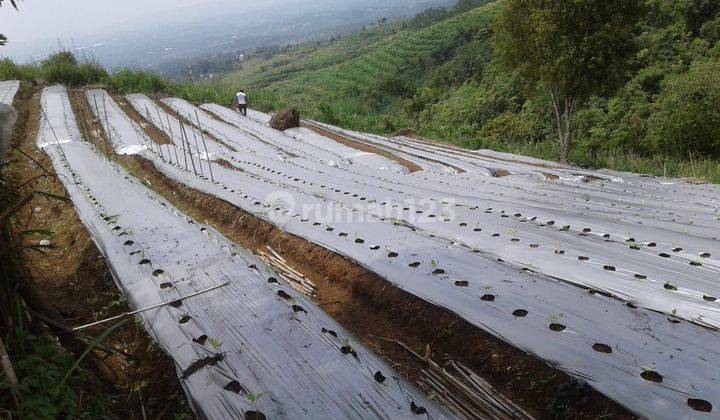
column 687, row 116
column 3, row 38
column 574, row 48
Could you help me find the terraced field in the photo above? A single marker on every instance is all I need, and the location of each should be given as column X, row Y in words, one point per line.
column 608, row 278
column 358, row 65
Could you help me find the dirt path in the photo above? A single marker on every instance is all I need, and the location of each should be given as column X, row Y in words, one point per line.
column 73, row 278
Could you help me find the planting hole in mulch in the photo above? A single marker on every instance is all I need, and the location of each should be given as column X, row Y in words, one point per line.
column 520, row 313
column 602, row 348
column 417, row 409
column 298, row 308
column 652, row 376
column 144, row 261
column 234, row 386
column 331, row 332
column 461, row 283
column 283, row 295
column 185, row 319
column 414, row 265
column 254, row 415
column 273, row 280
column 201, row 340
column 158, row 273
column 609, row 268
column 488, row 298
column 392, row 254
column 557, row 327
column 582, row 258
column 709, row 298
column 379, row 377
column 699, row 405
column 438, row 271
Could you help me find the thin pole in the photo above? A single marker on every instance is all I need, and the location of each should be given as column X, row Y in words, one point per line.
column 54, row 135
column 97, row 113
column 182, row 142
column 185, row 137
column 84, row 127
column 197, row 147
column 172, row 136
column 7, row 369
column 202, row 135
column 139, row 311
column 147, row 115
column 107, row 121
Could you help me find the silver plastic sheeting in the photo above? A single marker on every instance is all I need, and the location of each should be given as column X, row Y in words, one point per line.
column 58, row 126
column 514, row 274
column 126, row 136
column 8, row 90
column 349, row 154
column 296, row 151
column 225, row 133
column 251, row 345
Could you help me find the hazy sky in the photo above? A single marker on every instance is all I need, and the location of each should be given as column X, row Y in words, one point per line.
column 49, row 19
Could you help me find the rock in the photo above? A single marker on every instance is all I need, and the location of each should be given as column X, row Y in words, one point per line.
column 44, row 242
column 405, row 132
column 289, row 118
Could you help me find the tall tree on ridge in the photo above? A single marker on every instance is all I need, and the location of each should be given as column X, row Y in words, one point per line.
column 574, row 48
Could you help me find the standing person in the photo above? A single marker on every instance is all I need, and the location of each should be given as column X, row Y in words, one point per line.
column 242, row 102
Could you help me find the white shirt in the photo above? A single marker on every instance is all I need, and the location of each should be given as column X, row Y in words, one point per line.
column 241, row 98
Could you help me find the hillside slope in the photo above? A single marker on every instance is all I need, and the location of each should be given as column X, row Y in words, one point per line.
column 445, row 81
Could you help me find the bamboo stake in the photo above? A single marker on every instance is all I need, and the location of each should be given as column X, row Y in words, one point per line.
column 202, row 135
column 197, row 147
column 139, row 311
column 182, row 142
column 147, row 116
column 172, row 140
column 97, row 113
column 9, row 372
column 185, row 136
column 62, row 152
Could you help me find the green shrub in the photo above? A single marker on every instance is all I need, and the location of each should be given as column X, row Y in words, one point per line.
column 133, row 81
column 64, row 68
column 509, row 128
column 687, row 116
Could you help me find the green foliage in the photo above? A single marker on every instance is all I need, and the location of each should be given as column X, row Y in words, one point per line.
column 65, row 68
column 62, row 67
column 509, row 128
column 445, row 79
column 687, row 120
column 11, row 71
column 575, row 48
column 43, row 394
column 128, row 81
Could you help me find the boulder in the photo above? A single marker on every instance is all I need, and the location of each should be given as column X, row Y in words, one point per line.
column 289, row 118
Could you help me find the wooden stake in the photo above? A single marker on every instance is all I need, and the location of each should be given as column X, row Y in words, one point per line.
column 185, row 136
column 197, row 147
column 202, row 135
column 139, row 311
column 9, row 372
